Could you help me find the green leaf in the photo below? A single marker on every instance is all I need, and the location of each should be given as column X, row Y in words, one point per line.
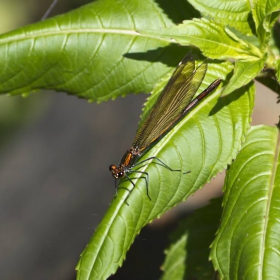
column 213, row 39
column 244, row 72
column 248, row 244
column 204, row 142
column 188, row 255
column 94, row 52
column 265, row 13
column 230, row 13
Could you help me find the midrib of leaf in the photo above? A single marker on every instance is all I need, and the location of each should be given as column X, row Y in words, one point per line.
column 78, row 31
column 133, row 33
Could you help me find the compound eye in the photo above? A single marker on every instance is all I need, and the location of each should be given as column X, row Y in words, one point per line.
column 112, row 167
column 121, row 174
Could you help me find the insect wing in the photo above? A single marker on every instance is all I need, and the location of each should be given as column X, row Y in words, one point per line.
column 170, row 106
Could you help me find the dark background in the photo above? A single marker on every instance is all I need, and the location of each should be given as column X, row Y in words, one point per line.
column 55, row 185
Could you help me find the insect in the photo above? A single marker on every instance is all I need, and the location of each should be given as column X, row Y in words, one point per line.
column 172, row 105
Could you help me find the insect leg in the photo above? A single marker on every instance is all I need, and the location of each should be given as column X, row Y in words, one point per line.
column 144, row 177
column 160, row 163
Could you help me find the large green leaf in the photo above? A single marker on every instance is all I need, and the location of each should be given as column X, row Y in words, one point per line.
column 212, row 38
column 94, row 52
column 204, row 142
column 247, row 245
column 188, row 255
